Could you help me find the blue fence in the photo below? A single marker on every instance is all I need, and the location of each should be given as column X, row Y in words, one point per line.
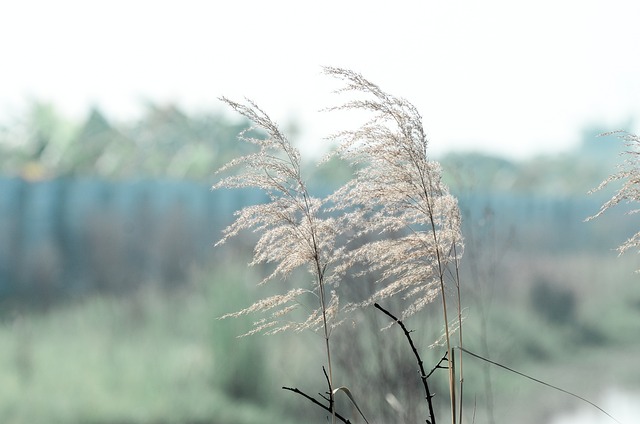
column 71, row 236
column 75, row 235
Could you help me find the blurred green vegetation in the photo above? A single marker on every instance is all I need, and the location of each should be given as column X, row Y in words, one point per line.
column 155, row 356
column 164, row 142
column 159, row 355
column 167, row 142
column 571, row 173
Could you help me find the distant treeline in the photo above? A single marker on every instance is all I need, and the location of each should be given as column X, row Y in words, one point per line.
column 164, row 143
column 64, row 236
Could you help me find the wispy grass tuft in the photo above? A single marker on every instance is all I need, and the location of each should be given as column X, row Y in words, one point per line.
column 394, row 220
column 629, row 175
column 293, row 232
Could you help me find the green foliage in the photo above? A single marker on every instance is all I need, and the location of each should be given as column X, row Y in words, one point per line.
column 571, row 173
column 35, row 142
column 240, row 362
column 165, row 142
column 551, row 302
column 156, row 357
column 153, row 357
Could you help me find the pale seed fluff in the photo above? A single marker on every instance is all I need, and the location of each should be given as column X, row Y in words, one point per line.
column 394, row 220
column 629, row 176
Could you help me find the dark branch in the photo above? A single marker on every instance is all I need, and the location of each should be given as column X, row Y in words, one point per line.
column 423, row 374
column 313, row 400
column 439, row 365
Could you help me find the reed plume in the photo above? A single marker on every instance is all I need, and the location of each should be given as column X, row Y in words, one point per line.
column 394, row 220
column 292, row 232
column 397, row 194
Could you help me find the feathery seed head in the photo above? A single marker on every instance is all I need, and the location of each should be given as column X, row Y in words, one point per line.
column 629, row 174
column 397, row 195
column 395, row 219
column 292, row 232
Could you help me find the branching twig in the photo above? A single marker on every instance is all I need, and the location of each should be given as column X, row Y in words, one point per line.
column 315, row 401
column 439, row 365
column 423, row 375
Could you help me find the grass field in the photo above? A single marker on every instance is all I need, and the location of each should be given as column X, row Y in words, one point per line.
column 159, row 356
column 151, row 357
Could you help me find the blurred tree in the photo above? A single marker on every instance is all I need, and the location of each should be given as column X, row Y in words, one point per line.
column 33, row 145
column 98, row 148
column 165, row 142
column 597, row 145
column 571, row 173
column 477, row 170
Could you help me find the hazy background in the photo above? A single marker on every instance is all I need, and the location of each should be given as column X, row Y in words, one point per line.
column 509, row 78
column 111, row 130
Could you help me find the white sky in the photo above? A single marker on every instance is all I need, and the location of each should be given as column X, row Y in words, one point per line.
column 517, row 78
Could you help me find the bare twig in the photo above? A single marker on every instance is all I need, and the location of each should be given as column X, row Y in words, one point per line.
column 315, row 401
column 423, row 375
column 330, row 397
column 439, row 365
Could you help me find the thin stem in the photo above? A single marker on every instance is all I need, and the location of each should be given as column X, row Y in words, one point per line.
column 457, row 268
column 326, row 339
column 538, row 381
column 426, row 185
column 452, row 387
column 323, row 304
